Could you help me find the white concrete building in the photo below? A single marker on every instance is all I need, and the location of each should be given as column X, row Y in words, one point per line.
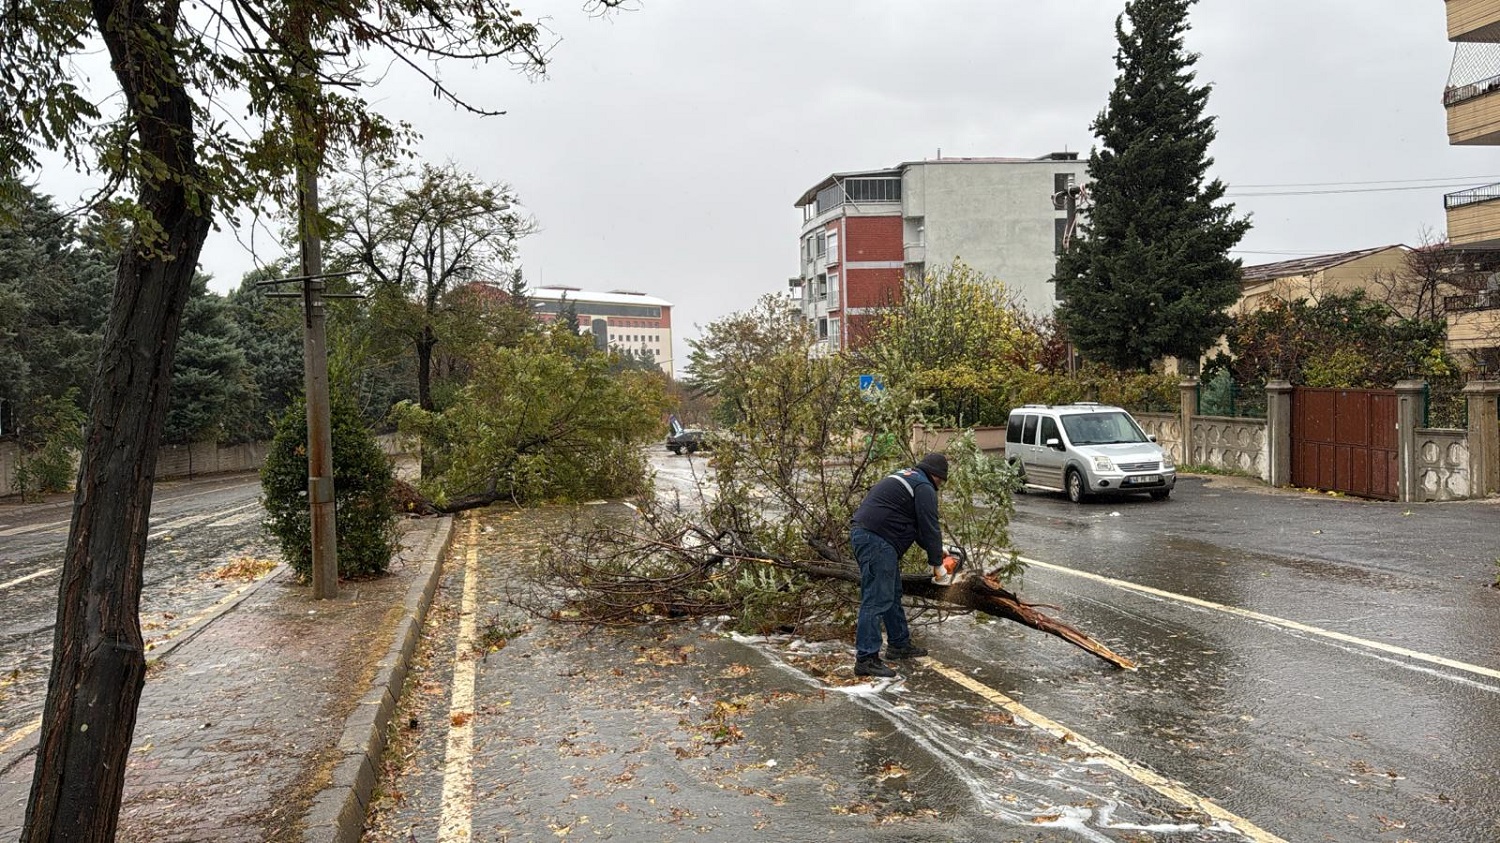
column 618, row 319
column 863, row 232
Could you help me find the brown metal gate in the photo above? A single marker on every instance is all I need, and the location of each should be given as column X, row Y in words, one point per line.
column 1344, row 440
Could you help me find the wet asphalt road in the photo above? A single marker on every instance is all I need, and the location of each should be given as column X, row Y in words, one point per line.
column 1321, row 669
column 1373, row 715
column 196, row 526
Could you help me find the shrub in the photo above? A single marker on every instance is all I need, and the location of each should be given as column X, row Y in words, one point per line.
column 363, row 483
column 48, row 461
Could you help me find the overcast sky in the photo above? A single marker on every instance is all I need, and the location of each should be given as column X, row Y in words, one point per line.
column 666, row 147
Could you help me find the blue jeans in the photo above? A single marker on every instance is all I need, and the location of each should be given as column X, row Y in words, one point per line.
column 879, row 594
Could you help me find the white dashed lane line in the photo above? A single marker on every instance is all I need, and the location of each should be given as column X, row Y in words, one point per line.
column 1296, row 626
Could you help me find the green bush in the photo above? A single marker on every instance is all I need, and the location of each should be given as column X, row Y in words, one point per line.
column 48, row 461
column 362, row 480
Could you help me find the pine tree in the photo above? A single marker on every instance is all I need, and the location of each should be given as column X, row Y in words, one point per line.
column 1150, row 273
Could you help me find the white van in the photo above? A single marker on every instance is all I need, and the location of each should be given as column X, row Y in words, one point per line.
column 1086, row 449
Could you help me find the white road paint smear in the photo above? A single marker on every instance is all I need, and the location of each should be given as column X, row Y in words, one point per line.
column 458, row 765
column 1366, row 643
column 1166, row 787
column 18, row 580
column 981, row 762
column 35, row 528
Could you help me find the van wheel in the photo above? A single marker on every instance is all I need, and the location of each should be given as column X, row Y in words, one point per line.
column 692, row 449
column 1020, row 476
column 676, row 450
column 1160, row 494
column 1077, row 491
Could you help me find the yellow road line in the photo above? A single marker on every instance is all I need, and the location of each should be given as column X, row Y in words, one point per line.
column 20, row 734
column 458, row 765
column 1393, row 649
column 1157, row 782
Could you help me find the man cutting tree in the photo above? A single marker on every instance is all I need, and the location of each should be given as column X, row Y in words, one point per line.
column 898, row 511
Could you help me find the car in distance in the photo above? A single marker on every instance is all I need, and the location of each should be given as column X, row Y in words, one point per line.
column 689, row 439
column 1086, row 449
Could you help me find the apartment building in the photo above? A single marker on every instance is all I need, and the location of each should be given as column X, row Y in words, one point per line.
column 618, row 319
column 1472, row 103
column 863, row 232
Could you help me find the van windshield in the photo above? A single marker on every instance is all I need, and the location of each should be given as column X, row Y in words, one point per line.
column 1102, row 429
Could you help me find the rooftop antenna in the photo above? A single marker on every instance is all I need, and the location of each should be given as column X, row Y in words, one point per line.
column 940, row 153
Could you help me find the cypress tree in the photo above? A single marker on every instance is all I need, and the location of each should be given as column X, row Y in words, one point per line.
column 1149, row 274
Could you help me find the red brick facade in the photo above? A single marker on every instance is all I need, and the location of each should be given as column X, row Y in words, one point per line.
column 872, row 239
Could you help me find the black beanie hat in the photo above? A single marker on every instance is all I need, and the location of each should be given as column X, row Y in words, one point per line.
column 936, row 465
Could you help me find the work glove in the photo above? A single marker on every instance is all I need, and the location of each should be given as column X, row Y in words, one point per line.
column 947, row 573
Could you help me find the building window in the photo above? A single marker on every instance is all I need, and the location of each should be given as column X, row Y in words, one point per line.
column 822, row 286
column 822, row 244
column 830, row 197
column 1059, row 231
column 873, row 190
column 822, row 328
column 833, row 247
column 833, row 287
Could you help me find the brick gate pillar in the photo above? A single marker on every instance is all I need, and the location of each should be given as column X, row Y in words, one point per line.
column 1484, row 437
column 1279, row 432
column 1188, row 407
column 1410, row 404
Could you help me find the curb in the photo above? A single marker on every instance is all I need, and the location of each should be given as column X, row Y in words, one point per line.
column 338, row 810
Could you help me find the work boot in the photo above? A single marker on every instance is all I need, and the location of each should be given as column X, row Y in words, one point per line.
column 873, row 666
column 910, row 651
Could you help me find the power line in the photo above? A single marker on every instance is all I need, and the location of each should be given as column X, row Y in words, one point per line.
column 1358, row 183
column 1234, row 195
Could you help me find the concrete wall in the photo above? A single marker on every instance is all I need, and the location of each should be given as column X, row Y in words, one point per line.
column 1231, row 443
column 8, row 457
column 177, row 461
column 998, row 217
column 1167, row 428
column 1442, row 465
column 989, row 439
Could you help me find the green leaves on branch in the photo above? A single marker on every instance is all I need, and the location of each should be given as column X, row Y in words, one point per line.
column 544, row 420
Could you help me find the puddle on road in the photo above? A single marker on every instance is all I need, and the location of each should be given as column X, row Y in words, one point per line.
column 986, row 762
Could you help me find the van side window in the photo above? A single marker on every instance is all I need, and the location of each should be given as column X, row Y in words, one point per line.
column 1049, row 431
column 1029, row 434
column 1013, row 428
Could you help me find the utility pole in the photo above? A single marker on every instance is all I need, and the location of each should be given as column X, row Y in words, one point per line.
column 325, row 561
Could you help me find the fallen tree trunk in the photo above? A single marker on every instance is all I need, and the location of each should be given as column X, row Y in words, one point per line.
column 979, row 593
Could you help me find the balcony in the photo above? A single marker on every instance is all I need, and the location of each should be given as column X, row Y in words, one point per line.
column 1472, row 97
column 1474, row 217
column 1473, row 20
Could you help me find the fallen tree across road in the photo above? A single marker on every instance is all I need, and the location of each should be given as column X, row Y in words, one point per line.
column 619, row 577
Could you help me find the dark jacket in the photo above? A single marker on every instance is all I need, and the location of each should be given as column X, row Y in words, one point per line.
column 902, row 508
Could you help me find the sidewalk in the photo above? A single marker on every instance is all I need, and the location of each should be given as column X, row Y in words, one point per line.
column 265, row 722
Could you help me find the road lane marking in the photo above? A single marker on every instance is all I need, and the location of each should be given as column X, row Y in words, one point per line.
column 23, row 732
column 164, row 529
column 1297, row 626
column 458, row 765
column 1150, row 778
column 35, row 528
column 18, row 580
column 20, row 734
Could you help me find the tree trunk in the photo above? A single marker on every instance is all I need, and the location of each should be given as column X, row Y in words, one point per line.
column 98, row 660
column 425, row 344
